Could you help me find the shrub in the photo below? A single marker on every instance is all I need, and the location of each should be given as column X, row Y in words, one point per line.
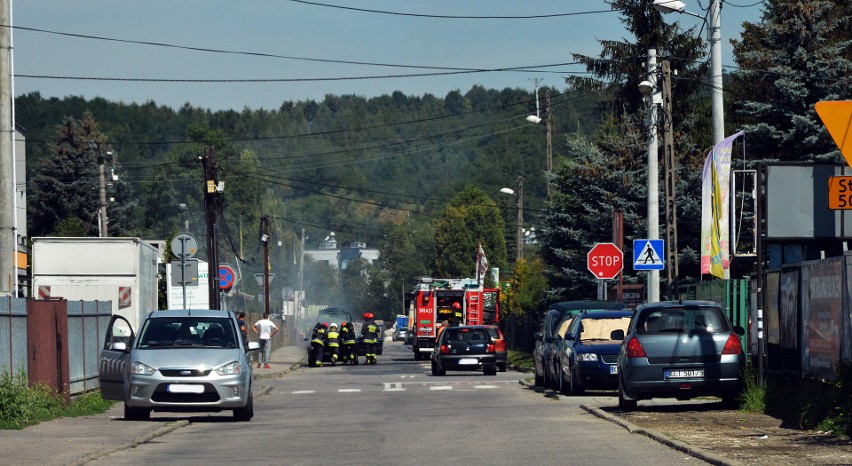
column 754, row 393
column 22, row 406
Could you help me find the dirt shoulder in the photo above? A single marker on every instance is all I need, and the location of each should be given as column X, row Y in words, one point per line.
column 747, row 438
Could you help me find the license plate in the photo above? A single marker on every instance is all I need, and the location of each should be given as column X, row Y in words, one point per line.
column 684, row 373
column 185, row 388
column 468, row 361
column 613, row 369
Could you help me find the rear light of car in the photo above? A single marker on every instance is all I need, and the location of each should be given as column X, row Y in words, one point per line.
column 634, row 349
column 445, row 349
column 733, row 346
column 490, row 348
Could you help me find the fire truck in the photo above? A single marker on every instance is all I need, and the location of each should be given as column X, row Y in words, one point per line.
column 439, row 299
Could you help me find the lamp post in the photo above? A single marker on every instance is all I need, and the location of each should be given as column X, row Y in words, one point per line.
column 102, row 209
column 650, row 89
column 519, row 235
column 715, row 38
column 537, row 119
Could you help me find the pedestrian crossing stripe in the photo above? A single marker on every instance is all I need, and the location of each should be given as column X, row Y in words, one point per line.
column 648, row 254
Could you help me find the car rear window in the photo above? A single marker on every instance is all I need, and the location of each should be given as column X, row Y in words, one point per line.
column 595, row 329
column 670, row 320
column 470, row 335
column 494, row 333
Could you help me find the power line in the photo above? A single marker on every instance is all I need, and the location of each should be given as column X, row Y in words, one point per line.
column 424, row 15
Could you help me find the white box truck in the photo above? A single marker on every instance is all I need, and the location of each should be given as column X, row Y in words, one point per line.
column 120, row 270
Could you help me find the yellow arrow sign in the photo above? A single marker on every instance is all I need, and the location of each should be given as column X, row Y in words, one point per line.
column 837, row 118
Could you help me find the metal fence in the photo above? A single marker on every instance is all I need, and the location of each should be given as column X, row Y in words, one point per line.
column 67, row 335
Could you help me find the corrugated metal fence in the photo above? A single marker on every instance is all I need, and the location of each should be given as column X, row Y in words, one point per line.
column 55, row 342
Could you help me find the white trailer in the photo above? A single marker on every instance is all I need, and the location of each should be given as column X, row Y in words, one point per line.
column 120, row 270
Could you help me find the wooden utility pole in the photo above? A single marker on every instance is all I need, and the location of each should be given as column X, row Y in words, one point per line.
column 671, row 182
column 519, row 254
column 548, row 119
column 264, row 238
column 211, row 204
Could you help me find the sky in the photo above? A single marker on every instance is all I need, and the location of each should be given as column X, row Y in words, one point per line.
column 297, row 47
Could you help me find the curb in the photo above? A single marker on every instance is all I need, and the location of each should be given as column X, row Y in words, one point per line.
column 142, row 439
column 691, row 450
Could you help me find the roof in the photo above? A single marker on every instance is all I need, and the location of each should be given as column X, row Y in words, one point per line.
column 677, row 304
column 189, row 313
column 605, row 314
column 586, row 304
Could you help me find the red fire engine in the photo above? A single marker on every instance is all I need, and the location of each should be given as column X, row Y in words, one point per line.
column 435, row 302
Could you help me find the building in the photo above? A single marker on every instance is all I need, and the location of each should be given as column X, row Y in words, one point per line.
column 329, row 254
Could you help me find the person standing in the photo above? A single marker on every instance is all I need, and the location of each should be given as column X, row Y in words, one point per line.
column 369, row 333
column 265, row 329
column 241, row 322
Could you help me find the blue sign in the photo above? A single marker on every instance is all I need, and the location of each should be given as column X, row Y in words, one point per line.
column 648, row 254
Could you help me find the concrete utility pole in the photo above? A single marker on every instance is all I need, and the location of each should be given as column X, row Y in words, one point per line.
column 8, row 235
column 520, row 233
column 548, row 119
column 211, row 197
column 671, row 182
column 264, row 227
column 653, row 171
column 104, row 221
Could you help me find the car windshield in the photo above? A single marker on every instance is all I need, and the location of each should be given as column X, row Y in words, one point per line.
column 468, row 335
column 593, row 329
column 185, row 331
column 683, row 320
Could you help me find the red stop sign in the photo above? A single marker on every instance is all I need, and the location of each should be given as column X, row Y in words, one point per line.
column 605, row 261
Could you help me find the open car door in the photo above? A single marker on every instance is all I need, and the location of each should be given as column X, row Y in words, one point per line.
column 114, row 358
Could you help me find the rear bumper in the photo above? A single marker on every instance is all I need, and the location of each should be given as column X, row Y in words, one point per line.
column 466, row 362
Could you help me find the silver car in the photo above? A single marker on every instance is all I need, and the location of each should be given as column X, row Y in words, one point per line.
column 181, row 361
column 679, row 350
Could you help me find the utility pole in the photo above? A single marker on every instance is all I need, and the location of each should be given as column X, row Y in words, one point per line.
column 104, row 232
column 264, row 238
column 548, row 119
column 520, row 234
column 653, row 171
column 8, row 233
column 211, row 204
column 671, row 181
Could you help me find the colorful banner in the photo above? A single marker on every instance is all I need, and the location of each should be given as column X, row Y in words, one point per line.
column 715, row 208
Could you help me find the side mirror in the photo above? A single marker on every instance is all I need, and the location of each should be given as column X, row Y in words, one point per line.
column 617, row 335
column 538, row 336
column 253, row 346
column 739, row 330
column 118, row 346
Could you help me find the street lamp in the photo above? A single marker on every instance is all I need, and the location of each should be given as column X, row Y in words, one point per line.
column 650, row 89
column 715, row 38
column 537, row 119
column 519, row 235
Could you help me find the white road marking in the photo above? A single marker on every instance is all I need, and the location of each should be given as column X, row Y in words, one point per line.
column 441, row 387
column 485, row 386
column 349, row 390
column 303, row 392
column 393, row 387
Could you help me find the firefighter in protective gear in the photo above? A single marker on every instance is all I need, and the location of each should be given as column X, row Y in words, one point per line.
column 318, row 343
column 457, row 315
column 347, row 347
column 369, row 334
column 332, row 339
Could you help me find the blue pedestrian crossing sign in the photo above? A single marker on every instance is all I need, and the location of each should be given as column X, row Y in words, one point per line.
column 648, row 254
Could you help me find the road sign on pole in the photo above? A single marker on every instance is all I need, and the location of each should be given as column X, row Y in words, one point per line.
column 648, row 254
column 605, row 261
column 227, row 277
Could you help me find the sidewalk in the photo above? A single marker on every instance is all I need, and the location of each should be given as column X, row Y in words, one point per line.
column 78, row 440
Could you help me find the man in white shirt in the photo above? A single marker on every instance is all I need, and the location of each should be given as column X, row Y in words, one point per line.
column 265, row 329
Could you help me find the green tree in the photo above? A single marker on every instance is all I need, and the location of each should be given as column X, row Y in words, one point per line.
column 798, row 54
column 528, row 288
column 469, row 219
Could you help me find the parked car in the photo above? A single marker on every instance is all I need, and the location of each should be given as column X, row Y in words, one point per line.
column 401, row 334
column 499, row 347
column 546, row 338
column 464, row 348
column 587, row 354
column 679, row 350
column 182, row 361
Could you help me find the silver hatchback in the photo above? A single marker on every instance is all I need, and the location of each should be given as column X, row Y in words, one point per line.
column 181, row 361
column 679, row 350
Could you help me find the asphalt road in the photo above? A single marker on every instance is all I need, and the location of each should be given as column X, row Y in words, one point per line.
column 396, row 412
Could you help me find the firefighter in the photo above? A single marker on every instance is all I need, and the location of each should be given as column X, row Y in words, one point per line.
column 347, row 348
column 457, row 315
column 318, row 343
column 369, row 334
column 332, row 339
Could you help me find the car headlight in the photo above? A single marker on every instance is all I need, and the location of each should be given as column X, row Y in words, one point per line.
column 137, row 368
column 587, row 357
column 232, row 368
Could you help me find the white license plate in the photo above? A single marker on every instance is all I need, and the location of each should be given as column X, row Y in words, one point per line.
column 468, row 361
column 684, row 373
column 185, row 388
column 613, row 369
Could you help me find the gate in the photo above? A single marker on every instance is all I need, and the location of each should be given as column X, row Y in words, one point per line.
column 47, row 339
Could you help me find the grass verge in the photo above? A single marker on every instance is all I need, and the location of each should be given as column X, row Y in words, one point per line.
column 521, row 360
column 22, row 406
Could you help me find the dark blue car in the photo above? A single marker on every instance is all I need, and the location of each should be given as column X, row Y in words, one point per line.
column 588, row 354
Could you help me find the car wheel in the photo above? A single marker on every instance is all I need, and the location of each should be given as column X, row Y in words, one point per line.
column 563, row 387
column 501, row 367
column 136, row 414
column 731, row 401
column 624, row 402
column 246, row 413
column 539, row 379
column 490, row 369
column 576, row 388
column 434, row 368
column 312, row 360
